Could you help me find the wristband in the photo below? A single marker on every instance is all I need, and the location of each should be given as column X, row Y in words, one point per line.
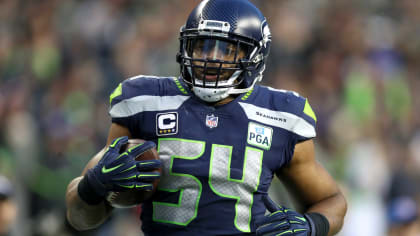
column 319, row 224
column 86, row 190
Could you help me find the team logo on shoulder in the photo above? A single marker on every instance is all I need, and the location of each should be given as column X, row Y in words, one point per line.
column 259, row 135
column 166, row 123
column 212, row 121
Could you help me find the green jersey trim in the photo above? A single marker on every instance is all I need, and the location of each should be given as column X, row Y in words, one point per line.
column 117, row 92
column 308, row 110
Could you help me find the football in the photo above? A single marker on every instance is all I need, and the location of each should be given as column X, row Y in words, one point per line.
column 134, row 197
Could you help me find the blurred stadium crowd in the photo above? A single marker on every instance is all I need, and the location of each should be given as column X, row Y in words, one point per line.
column 358, row 63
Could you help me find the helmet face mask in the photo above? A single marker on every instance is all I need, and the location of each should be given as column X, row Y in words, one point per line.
column 221, row 55
column 215, row 63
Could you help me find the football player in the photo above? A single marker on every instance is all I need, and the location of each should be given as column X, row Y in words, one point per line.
column 221, row 138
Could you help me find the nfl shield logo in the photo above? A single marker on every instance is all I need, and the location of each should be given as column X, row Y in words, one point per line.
column 211, row 121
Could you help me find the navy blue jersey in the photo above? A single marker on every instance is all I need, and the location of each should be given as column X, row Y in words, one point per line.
column 217, row 161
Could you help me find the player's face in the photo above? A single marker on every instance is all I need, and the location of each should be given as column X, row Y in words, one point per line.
column 213, row 49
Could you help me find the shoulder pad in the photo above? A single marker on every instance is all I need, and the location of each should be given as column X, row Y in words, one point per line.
column 284, row 109
column 292, row 102
column 134, row 86
column 146, row 93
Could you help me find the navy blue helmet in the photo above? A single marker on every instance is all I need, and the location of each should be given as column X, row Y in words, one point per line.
column 223, row 48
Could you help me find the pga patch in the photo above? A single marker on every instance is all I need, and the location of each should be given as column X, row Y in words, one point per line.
column 166, row 123
column 259, row 135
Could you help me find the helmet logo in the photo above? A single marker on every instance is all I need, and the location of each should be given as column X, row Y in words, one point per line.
column 266, row 34
column 214, row 25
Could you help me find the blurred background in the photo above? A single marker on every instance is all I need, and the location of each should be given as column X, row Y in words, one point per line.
column 358, row 63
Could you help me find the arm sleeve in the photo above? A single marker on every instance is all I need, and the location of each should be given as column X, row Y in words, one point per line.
column 304, row 127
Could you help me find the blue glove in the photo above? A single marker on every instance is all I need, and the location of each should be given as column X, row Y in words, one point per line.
column 282, row 221
column 119, row 172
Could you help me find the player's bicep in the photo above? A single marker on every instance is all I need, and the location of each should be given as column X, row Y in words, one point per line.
column 305, row 178
column 115, row 131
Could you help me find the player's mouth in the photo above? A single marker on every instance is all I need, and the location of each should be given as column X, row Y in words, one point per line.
column 211, row 77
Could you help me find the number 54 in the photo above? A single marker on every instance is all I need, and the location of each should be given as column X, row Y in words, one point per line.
column 190, row 188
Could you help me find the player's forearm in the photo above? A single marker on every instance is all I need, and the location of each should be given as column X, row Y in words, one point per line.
column 334, row 208
column 81, row 215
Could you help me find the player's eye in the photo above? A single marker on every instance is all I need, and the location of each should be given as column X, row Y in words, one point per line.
column 213, row 49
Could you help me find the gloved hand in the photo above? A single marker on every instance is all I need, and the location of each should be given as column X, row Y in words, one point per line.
column 119, row 172
column 282, row 221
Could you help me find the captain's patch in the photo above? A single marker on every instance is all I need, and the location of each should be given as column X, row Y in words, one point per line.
column 166, row 123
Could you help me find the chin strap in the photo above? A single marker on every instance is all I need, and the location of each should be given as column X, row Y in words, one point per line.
column 245, row 90
column 228, row 92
